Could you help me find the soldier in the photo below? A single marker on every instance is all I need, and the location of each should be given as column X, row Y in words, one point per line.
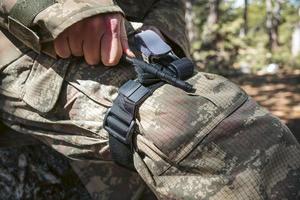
column 214, row 144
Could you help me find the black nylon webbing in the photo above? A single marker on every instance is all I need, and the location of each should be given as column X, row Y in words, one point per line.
column 119, row 121
column 121, row 153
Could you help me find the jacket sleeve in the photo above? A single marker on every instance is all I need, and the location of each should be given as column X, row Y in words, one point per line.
column 168, row 17
column 38, row 22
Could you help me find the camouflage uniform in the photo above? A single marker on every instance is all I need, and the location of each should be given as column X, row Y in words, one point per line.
column 214, row 144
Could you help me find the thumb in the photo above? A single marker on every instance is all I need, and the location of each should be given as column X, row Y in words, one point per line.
column 124, row 40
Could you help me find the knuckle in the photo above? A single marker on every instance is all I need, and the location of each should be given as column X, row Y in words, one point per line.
column 115, row 34
column 114, row 25
column 94, row 24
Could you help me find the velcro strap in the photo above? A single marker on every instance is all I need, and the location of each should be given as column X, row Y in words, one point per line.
column 183, row 68
column 25, row 11
column 120, row 123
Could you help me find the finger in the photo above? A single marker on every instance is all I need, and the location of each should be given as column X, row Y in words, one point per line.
column 124, row 41
column 76, row 39
column 61, row 46
column 91, row 43
column 111, row 48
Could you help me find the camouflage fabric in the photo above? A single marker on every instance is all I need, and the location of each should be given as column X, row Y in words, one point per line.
column 214, row 144
column 106, row 180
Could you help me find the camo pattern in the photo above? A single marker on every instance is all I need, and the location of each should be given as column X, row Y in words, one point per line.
column 249, row 155
column 214, row 144
column 109, row 181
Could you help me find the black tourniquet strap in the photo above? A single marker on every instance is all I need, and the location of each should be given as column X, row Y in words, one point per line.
column 120, row 121
column 161, row 66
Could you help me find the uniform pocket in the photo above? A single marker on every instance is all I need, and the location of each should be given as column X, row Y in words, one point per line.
column 175, row 122
column 44, row 83
column 14, row 76
column 35, row 79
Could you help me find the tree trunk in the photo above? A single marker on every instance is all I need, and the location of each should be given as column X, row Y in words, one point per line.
column 273, row 22
column 210, row 32
column 213, row 16
column 296, row 41
column 190, row 18
column 245, row 17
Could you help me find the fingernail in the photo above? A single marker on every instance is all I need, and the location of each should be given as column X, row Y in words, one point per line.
column 130, row 53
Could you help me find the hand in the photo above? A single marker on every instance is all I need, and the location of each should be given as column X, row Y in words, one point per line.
column 99, row 38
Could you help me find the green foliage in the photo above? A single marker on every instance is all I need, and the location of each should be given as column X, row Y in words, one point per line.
column 256, row 16
column 220, row 43
column 222, row 48
column 200, row 8
column 284, row 58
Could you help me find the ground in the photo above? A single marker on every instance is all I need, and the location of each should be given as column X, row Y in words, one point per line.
column 37, row 172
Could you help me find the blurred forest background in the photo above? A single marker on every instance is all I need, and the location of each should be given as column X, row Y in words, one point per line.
column 244, row 35
column 255, row 43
